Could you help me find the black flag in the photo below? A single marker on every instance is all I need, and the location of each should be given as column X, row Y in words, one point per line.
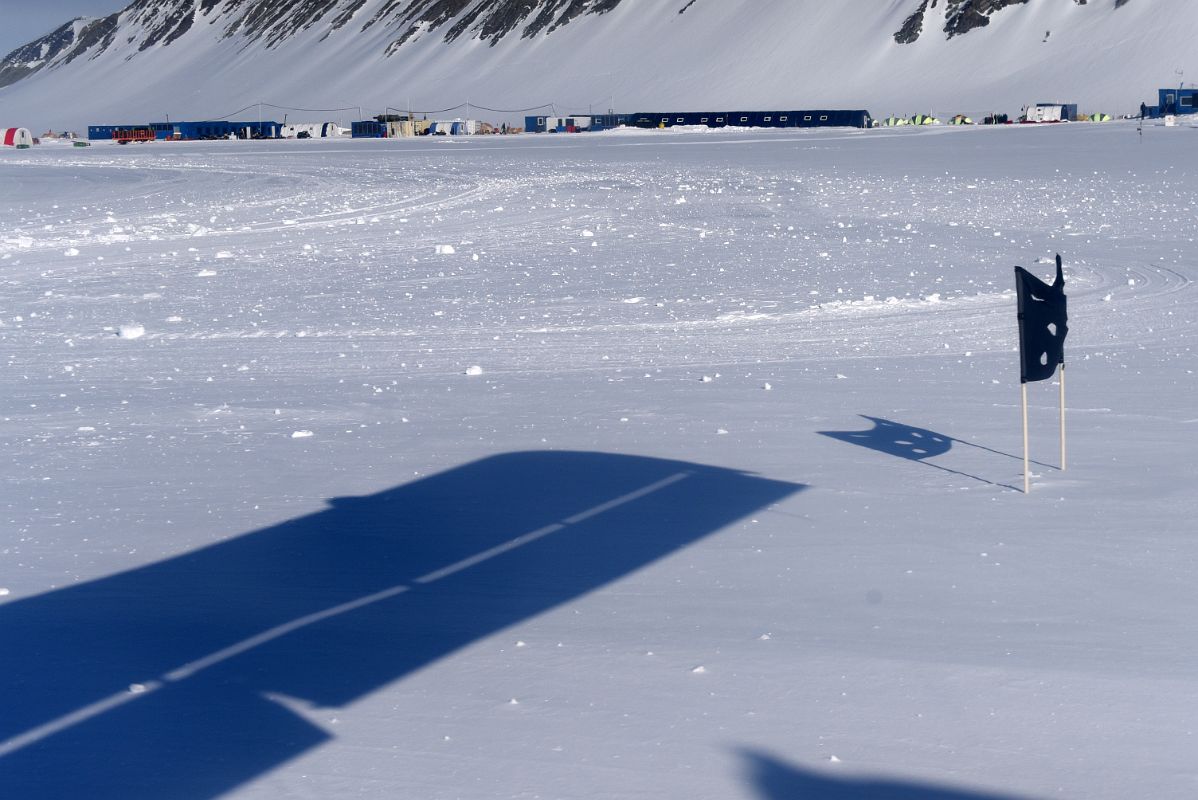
column 1042, row 325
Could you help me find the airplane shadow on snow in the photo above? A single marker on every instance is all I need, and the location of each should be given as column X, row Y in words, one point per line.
column 774, row 779
column 914, row 444
column 158, row 682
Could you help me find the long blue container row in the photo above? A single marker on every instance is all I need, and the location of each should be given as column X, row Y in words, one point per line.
column 209, row 129
column 820, row 118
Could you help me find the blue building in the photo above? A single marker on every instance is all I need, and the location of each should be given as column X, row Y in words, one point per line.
column 814, row 118
column 208, row 129
column 1177, row 101
column 368, row 129
column 571, row 123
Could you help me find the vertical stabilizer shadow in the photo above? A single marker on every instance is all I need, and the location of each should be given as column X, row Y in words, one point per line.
column 774, row 779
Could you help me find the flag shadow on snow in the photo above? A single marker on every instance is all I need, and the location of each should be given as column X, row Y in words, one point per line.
column 179, row 679
column 776, row 780
column 913, row 444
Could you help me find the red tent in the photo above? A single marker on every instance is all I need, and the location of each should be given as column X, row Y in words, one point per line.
column 16, row 137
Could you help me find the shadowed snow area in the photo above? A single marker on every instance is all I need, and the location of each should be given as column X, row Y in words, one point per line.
column 231, row 644
column 663, row 464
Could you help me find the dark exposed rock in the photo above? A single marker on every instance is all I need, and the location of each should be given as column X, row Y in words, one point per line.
column 165, row 21
column 347, row 14
column 146, row 24
column 962, row 16
column 61, row 46
column 98, row 35
column 913, row 26
column 29, row 58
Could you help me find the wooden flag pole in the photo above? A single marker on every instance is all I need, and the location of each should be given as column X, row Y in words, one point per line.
column 1026, row 478
column 1062, row 417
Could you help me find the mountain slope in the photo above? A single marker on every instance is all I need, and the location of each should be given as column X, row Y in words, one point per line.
column 272, row 24
column 206, row 58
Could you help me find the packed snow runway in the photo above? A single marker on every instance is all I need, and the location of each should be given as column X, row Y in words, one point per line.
column 597, row 466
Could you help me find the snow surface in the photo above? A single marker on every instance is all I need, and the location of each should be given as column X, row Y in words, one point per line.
column 640, row 56
column 354, row 519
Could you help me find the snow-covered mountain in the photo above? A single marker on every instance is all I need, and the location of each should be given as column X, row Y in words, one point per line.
column 203, row 58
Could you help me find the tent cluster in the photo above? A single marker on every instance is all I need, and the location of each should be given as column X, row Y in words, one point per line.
column 963, row 119
column 918, row 119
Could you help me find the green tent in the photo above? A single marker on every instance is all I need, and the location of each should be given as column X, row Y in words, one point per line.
column 1100, row 117
column 960, row 119
column 924, row 119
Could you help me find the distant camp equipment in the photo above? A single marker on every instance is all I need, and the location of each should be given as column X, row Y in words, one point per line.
column 1042, row 330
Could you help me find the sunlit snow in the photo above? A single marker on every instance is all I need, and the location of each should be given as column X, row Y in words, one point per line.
column 351, row 468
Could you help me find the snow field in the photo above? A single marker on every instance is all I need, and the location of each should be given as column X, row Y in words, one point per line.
column 893, row 615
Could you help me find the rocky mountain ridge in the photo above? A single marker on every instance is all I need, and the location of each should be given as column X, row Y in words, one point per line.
column 962, row 16
column 336, row 59
column 146, row 24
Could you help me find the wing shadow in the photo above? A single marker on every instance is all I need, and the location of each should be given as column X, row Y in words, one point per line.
column 164, row 681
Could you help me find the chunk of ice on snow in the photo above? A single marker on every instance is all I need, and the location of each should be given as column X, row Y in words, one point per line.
column 474, row 369
column 445, row 250
column 131, row 331
column 301, row 434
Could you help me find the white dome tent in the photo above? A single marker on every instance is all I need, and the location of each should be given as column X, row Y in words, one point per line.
column 314, row 130
column 16, row 137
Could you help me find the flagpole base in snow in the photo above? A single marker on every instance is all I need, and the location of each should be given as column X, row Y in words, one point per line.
column 1027, row 485
column 1062, row 417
